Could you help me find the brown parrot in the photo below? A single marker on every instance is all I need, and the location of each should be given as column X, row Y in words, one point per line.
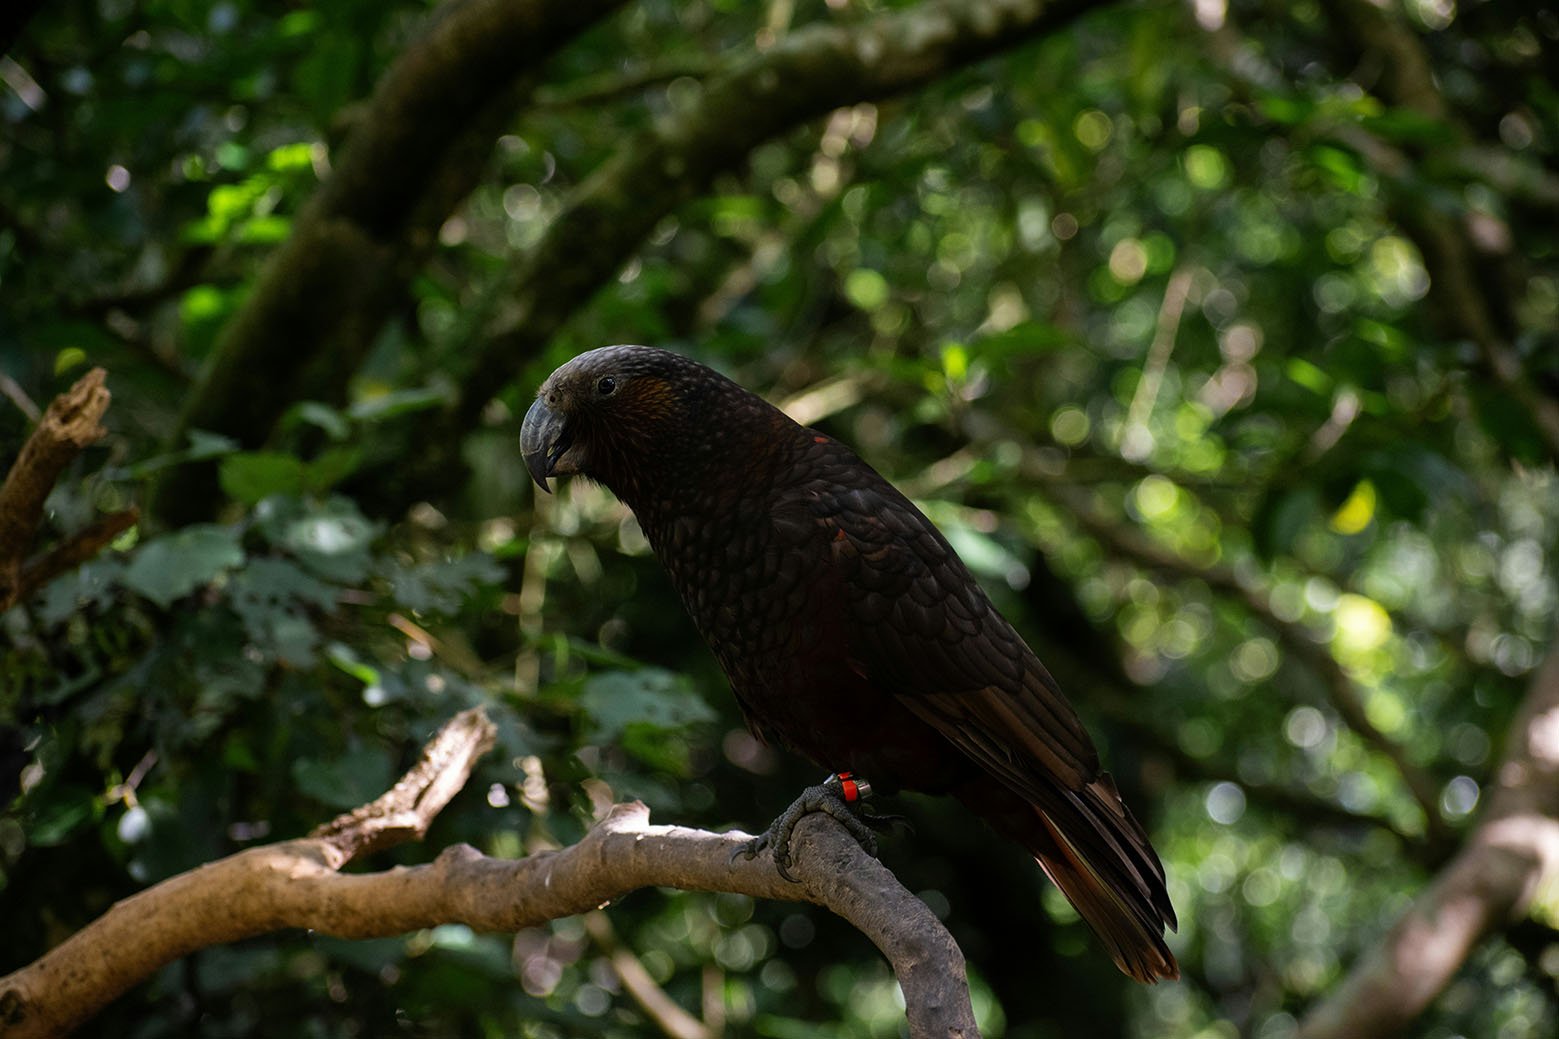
column 849, row 629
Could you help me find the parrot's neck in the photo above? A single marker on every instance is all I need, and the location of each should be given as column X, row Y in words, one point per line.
column 726, row 478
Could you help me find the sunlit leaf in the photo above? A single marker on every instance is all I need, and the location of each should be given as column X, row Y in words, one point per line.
column 1356, row 513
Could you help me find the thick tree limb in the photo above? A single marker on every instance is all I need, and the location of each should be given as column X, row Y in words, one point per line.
column 72, row 421
column 756, row 97
column 418, row 149
column 298, row 884
column 1488, row 886
column 752, row 98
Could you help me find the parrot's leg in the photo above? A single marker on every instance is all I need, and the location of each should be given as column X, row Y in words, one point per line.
column 841, row 796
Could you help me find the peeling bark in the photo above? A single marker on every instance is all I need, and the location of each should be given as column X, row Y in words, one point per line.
column 72, row 422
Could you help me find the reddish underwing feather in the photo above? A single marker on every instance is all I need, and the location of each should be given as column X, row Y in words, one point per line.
column 1136, row 944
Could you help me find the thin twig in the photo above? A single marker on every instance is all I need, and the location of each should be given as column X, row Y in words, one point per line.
column 668, row 1016
column 1136, row 439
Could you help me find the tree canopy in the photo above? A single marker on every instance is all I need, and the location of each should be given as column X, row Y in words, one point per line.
column 1220, row 338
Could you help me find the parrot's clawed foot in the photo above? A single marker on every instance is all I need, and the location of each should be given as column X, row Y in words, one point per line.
column 839, row 796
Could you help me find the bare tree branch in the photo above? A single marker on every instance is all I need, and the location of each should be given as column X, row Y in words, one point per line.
column 614, row 86
column 298, row 884
column 1488, row 886
column 77, row 549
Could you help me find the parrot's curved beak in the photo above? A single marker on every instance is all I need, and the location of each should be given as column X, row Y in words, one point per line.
column 544, row 437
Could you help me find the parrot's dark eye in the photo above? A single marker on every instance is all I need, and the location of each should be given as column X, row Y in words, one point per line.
column 605, row 386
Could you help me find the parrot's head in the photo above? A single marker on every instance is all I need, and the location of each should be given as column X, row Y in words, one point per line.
column 620, row 412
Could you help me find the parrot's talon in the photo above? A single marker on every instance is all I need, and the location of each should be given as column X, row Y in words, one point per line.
column 749, row 849
column 838, row 797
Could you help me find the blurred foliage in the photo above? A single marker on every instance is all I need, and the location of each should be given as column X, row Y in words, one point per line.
column 1133, row 311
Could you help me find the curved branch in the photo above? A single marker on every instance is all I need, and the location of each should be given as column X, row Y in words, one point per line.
column 1488, row 886
column 298, row 884
column 636, row 980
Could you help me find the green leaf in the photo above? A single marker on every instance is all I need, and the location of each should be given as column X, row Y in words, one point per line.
column 866, row 288
column 208, row 445
column 443, row 587
column 296, row 156
column 1289, row 110
column 68, row 358
column 346, row 659
column 270, row 597
column 1409, row 127
column 90, row 585
column 66, row 810
column 202, row 445
column 617, row 700
column 324, row 416
column 253, row 476
column 330, row 538
column 1282, row 517
column 264, row 230
column 173, row 566
column 331, row 467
